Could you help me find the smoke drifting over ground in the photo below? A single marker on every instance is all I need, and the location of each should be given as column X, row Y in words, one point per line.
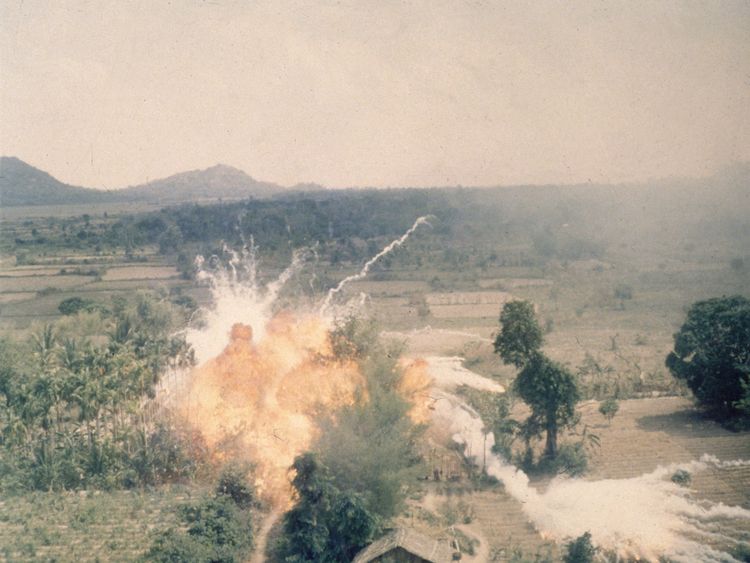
column 645, row 517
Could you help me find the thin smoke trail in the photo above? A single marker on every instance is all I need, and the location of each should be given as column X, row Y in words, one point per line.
column 273, row 288
column 366, row 268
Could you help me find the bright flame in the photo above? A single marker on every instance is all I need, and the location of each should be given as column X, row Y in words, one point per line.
column 265, row 395
column 258, row 395
column 415, row 385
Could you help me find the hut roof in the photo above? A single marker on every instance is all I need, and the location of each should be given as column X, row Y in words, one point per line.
column 422, row 546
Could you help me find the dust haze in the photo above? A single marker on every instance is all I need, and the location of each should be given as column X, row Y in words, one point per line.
column 376, row 94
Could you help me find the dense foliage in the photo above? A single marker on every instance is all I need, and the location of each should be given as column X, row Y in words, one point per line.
column 712, row 355
column 369, row 447
column 75, row 412
column 216, row 530
column 580, row 550
column 520, row 335
column 326, row 524
column 469, row 228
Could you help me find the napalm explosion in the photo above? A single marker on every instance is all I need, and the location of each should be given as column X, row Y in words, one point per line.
column 264, row 377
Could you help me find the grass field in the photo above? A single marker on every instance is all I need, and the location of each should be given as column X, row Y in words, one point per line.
column 86, row 526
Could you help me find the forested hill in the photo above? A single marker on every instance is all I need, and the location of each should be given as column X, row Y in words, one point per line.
column 220, row 181
column 23, row 184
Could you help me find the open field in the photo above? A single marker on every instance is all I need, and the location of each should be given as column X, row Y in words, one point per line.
column 63, row 211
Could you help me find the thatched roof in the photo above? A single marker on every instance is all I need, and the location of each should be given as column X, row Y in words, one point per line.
column 415, row 543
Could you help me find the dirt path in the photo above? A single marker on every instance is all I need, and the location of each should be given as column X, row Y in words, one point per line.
column 482, row 553
column 259, row 555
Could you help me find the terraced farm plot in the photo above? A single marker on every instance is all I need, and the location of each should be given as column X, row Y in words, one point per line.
column 38, row 283
column 140, row 273
column 85, row 526
column 29, row 271
column 18, row 296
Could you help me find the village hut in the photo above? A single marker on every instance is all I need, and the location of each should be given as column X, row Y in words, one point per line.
column 404, row 545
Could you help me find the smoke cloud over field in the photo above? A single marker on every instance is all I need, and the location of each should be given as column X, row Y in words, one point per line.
column 645, row 517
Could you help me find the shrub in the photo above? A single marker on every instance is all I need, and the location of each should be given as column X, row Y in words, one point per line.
column 682, row 477
column 623, row 291
column 73, row 305
column 173, row 546
column 218, row 531
column 742, row 551
column 580, row 550
column 219, row 522
column 609, row 408
column 572, row 459
column 48, row 291
column 233, row 484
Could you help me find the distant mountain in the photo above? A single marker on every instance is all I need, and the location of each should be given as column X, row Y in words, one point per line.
column 220, row 181
column 22, row 184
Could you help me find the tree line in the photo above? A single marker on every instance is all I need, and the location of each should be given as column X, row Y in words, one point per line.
column 76, row 411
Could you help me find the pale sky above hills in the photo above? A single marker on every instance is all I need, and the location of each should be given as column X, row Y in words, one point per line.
column 110, row 94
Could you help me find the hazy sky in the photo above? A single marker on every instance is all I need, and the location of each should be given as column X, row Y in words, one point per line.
column 109, row 94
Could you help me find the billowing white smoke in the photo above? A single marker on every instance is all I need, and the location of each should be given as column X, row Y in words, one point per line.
column 646, row 516
column 237, row 298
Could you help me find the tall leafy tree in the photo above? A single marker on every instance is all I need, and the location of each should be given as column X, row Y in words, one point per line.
column 552, row 393
column 712, row 354
column 369, row 447
column 546, row 386
column 520, row 335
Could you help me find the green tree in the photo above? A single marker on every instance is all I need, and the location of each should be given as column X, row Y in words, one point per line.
column 609, row 408
column 580, row 550
column 325, row 524
column 552, row 393
column 712, row 354
column 520, row 335
column 546, row 386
